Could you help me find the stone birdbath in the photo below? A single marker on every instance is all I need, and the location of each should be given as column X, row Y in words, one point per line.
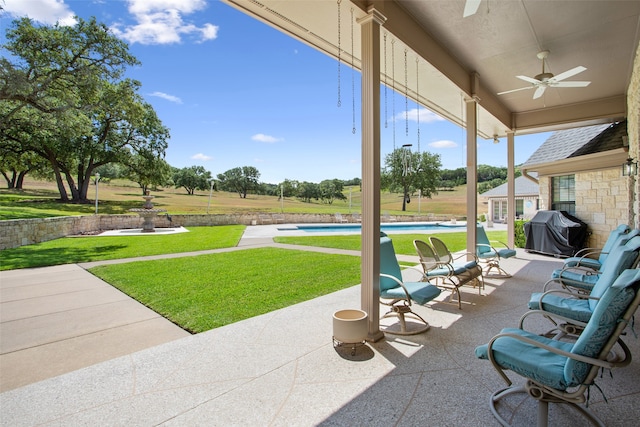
column 148, row 213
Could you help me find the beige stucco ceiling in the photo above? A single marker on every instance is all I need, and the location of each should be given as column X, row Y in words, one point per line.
column 480, row 55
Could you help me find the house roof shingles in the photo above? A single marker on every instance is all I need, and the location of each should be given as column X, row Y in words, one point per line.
column 523, row 187
column 578, row 142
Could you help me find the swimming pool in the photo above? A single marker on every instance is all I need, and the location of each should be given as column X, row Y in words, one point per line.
column 387, row 228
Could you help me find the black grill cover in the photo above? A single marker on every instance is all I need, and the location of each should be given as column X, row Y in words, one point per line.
column 555, row 233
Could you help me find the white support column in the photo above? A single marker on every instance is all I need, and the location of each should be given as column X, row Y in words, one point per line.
column 511, row 191
column 472, row 172
column 370, row 266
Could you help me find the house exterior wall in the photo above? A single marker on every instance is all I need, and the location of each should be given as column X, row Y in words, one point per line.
column 633, row 130
column 529, row 206
column 602, row 201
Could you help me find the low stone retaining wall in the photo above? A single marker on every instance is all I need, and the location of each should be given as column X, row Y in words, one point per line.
column 20, row 232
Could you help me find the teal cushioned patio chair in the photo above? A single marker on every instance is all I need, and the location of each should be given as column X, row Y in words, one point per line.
column 586, row 257
column 489, row 255
column 570, row 312
column 558, row 371
column 446, row 271
column 626, row 255
column 398, row 294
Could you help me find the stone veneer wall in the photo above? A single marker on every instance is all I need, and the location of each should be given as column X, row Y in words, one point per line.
column 602, row 201
column 20, row 232
column 633, row 130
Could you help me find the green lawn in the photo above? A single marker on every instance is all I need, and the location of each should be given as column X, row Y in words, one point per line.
column 208, row 291
column 70, row 250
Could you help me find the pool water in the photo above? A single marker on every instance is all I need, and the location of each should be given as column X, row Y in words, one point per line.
column 388, row 228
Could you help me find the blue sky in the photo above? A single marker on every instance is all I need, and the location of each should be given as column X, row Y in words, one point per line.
column 235, row 92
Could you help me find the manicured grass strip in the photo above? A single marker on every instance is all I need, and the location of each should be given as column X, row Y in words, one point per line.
column 208, row 291
column 95, row 248
column 402, row 243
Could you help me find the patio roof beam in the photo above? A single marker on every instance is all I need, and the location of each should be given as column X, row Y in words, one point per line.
column 587, row 113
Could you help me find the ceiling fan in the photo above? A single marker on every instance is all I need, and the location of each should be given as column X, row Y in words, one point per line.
column 544, row 80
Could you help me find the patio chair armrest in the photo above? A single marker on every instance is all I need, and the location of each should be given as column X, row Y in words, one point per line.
column 581, row 269
column 491, row 250
column 406, row 292
column 502, row 243
column 448, row 266
column 416, row 267
column 578, row 357
column 550, row 282
column 553, row 317
column 466, row 254
column 584, row 251
column 566, row 292
column 566, row 285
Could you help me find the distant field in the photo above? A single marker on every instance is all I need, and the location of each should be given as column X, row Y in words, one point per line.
column 39, row 200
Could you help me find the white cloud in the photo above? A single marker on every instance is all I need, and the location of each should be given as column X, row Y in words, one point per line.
column 146, row 6
column 161, row 22
column 45, row 11
column 260, row 137
column 202, row 157
column 167, row 97
column 423, row 114
column 443, row 143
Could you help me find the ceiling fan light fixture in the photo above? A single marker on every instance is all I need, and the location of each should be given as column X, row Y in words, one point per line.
column 546, row 79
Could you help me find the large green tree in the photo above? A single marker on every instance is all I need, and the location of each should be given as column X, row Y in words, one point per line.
column 331, row 189
column 407, row 172
column 192, row 178
column 148, row 171
column 240, row 180
column 67, row 85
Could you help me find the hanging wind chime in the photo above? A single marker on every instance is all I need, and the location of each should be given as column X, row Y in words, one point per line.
column 386, row 115
column 353, row 85
column 339, row 51
column 406, row 97
column 353, row 90
column 406, row 167
column 418, row 98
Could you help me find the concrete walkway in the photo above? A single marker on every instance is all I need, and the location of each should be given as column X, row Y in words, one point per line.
column 55, row 320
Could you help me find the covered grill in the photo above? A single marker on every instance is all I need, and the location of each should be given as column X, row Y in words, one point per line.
column 555, row 233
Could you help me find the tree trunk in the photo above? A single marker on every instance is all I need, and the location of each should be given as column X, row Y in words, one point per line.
column 11, row 182
column 19, row 185
column 64, row 196
column 83, row 183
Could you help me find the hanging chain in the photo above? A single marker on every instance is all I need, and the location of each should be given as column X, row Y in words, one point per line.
column 418, row 98
column 386, row 115
column 339, row 48
column 393, row 90
column 406, row 96
column 353, row 84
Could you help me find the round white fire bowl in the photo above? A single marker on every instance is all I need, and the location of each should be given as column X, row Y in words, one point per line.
column 350, row 326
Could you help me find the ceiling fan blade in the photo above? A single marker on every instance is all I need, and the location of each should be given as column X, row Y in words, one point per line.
column 570, row 73
column 471, row 7
column 529, row 80
column 515, row 90
column 571, row 84
column 538, row 93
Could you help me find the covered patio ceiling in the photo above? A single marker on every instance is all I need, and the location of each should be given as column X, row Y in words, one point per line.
column 480, row 55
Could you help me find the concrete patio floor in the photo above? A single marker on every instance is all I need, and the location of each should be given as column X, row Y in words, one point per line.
column 281, row 368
